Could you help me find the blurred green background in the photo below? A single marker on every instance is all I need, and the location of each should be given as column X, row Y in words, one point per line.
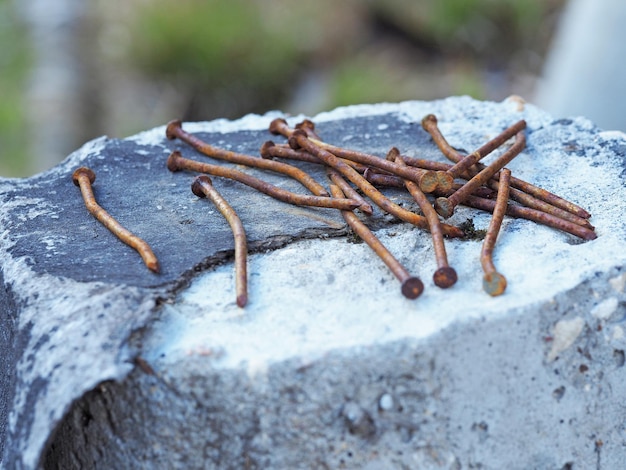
column 72, row 71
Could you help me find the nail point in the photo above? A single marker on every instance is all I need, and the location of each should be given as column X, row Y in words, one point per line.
column 242, row 300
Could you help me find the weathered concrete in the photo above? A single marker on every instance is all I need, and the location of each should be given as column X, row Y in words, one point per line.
column 110, row 366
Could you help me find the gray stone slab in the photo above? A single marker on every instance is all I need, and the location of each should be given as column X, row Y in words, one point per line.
column 107, row 365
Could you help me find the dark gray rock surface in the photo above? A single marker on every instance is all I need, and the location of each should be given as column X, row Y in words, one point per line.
column 107, row 365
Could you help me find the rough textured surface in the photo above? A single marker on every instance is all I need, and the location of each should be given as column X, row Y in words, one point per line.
column 110, row 366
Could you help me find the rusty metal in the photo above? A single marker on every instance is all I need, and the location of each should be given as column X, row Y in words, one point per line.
column 176, row 162
column 411, row 286
column 436, row 179
column 383, row 180
column 174, row 130
column 535, row 203
column 308, row 126
column 84, row 177
column 429, row 123
column 272, row 150
column 465, row 163
column 203, row 187
column 527, row 213
column 349, row 191
column 445, row 206
column 445, row 276
column 531, row 196
column 426, row 179
column 299, row 139
column 494, row 283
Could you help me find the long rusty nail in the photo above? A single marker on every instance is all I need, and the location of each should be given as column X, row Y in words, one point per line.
column 465, row 163
column 445, row 206
column 426, row 179
column 535, row 203
column 174, row 130
column 83, row 177
column 429, row 123
column 395, row 182
column 434, row 180
column 176, row 162
column 348, row 191
column 445, row 276
column 299, row 139
column 494, row 283
column 543, row 218
column 271, row 150
column 411, row 286
column 202, row 187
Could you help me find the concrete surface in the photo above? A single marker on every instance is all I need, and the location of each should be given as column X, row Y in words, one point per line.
column 110, row 366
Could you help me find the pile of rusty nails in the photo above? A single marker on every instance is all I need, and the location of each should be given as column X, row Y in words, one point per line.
column 466, row 182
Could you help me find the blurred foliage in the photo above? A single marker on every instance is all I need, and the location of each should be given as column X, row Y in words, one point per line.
column 203, row 59
column 251, row 55
column 235, row 55
column 14, row 61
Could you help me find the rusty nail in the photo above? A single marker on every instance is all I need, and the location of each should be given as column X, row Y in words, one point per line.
column 535, row 203
column 202, row 187
column 299, row 139
column 445, row 206
column 308, row 126
column 445, row 276
column 430, row 180
column 442, row 179
column 383, row 180
column 429, row 123
column 494, row 283
column 83, row 177
column 280, row 127
column 550, row 198
column 411, row 286
column 270, row 150
column 465, row 163
column 424, row 178
column 174, row 130
column 527, row 213
column 176, row 162
column 348, row 191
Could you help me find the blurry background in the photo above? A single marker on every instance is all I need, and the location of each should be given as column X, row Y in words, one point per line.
column 73, row 70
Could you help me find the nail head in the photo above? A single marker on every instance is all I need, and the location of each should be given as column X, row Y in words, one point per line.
column 172, row 126
column 83, row 170
column 494, row 284
column 196, row 186
column 445, row 277
column 276, row 125
column 412, row 288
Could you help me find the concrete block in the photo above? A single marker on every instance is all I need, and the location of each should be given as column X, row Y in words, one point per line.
column 107, row 365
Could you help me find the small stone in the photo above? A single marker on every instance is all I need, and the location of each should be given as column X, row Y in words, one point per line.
column 385, row 402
